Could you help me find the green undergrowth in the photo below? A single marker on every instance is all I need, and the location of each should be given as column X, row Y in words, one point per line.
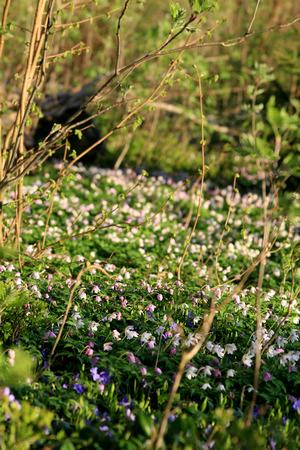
column 109, row 380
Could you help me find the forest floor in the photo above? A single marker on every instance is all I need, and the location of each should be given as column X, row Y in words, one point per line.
column 105, row 340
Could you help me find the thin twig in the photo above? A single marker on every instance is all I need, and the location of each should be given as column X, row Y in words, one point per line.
column 254, row 16
column 70, row 303
column 200, row 195
column 118, row 48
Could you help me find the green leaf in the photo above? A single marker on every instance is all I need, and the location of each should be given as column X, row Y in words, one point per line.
column 264, row 149
column 138, row 122
column 78, row 133
column 177, row 12
column 146, row 423
column 7, row 253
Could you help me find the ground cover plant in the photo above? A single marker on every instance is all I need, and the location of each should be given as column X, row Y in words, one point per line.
column 110, row 376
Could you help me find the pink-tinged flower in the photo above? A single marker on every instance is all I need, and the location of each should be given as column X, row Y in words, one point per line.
column 96, row 289
column 217, row 373
column 173, row 351
column 150, row 307
column 151, row 344
column 82, row 295
column 89, row 352
column 107, row 346
column 116, row 335
column 218, row 293
column 143, row 371
column 101, row 387
column 124, row 303
column 158, row 371
column 49, row 335
column 131, row 358
column 98, row 299
column 69, row 282
column 159, row 297
column 267, row 376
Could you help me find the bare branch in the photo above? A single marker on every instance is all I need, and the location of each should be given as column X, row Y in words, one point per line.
column 118, row 49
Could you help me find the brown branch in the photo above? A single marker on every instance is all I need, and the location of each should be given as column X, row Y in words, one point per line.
column 118, row 48
column 3, row 24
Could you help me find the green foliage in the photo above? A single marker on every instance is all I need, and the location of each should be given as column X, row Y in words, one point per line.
column 22, row 425
column 16, row 367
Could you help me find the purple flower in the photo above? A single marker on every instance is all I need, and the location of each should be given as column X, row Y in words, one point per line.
column 272, row 443
column 256, row 412
column 104, row 377
column 78, row 388
column 267, row 376
column 129, row 414
column 49, row 335
column 296, row 405
column 124, row 401
column 95, row 374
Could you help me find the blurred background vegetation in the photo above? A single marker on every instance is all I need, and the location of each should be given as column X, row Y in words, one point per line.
column 251, row 84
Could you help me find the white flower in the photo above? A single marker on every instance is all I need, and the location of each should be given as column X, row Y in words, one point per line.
column 271, row 351
column 230, row 348
column 11, row 357
column 110, row 267
column 281, row 341
column 230, row 373
column 190, row 340
column 82, row 295
column 36, row 275
column 208, row 370
column 247, row 359
column 107, row 346
column 130, row 333
column 93, row 326
column 116, row 335
column 77, row 319
column 209, row 346
column 206, row 386
column 221, row 387
column 145, row 337
column 219, row 350
column 191, row 372
column 294, row 337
